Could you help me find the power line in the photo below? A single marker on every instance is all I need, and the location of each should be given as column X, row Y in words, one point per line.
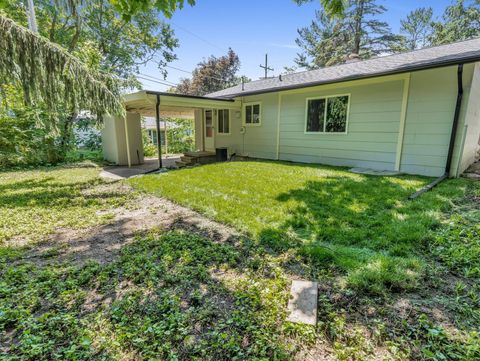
column 182, row 70
column 153, row 81
column 158, row 79
column 191, row 72
column 196, row 36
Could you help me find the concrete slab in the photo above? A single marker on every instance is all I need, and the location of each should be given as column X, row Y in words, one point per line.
column 303, row 302
column 368, row 171
column 123, row 172
column 473, row 172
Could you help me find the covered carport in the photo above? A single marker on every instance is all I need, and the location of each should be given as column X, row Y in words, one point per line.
column 122, row 136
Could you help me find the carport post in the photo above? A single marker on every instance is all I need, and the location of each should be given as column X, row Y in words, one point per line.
column 159, row 138
column 129, row 161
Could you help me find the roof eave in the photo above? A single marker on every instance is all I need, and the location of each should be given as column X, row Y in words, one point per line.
column 151, row 92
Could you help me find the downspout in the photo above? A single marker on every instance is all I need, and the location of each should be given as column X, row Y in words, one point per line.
column 453, row 135
column 455, row 119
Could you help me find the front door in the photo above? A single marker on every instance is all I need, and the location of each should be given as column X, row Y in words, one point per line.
column 209, row 130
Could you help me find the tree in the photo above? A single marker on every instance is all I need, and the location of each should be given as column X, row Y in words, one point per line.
column 97, row 35
column 333, row 8
column 323, row 43
column 416, row 28
column 460, row 21
column 122, row 46
column 330, row 41
column 211, row 75
column 129, row 8
column 50, row 75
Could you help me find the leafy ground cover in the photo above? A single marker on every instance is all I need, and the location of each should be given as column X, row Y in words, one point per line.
column 376, row 251
column 398, row 279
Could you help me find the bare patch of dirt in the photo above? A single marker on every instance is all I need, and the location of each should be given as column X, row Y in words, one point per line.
column 142, row 214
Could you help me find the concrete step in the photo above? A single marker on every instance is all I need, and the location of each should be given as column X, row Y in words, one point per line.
column 181, row 164
column 187, row 159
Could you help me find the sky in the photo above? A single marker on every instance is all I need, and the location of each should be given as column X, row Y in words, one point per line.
column 252, row 28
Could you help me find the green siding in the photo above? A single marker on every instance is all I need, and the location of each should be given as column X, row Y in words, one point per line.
column 374, row 123
column 257, row 141
column 431, row 106
column 371, row 134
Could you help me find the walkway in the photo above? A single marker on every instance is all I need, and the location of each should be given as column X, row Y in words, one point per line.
column 123, row 172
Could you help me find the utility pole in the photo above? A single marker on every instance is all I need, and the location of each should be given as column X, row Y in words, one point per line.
column 266, row 67
column 32, row 21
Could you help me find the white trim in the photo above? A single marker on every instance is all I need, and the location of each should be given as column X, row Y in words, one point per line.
column 244, row 116
column 229, row 122
column 279, row 109
column 326, row 97
column 127, row 141
column 204, row 123
column 403, row 118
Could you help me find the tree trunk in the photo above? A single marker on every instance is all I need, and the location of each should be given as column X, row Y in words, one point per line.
column 32, row 20
column 358, row 26
column 66, row 135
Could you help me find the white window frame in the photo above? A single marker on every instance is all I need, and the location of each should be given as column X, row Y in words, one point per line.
column 325, row 115
column 245, row 114
column 218, row 121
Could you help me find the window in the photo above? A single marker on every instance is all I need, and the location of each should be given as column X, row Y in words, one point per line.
column 327, row 115
column 252, row 114
column 223, row 121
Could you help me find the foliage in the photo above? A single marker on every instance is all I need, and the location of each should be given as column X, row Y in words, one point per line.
column 460, row 21
column 96, row 34
column 328, row 41
column 192, row 315
column 458, row 244
column 127, row 45
column 149, row 149
column 182, row 294
column 212, row 75
column 129, row 8
column 50, row 75
column 180, row 135
column 334, row 8
column 417, row 28
column 23, row 135
column 87, row 135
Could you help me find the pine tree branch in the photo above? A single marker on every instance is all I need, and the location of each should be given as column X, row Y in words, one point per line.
column 50, row 75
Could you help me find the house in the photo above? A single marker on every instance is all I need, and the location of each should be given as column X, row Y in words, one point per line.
column 416, row 112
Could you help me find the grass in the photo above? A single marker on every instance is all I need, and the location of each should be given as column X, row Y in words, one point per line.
column 361, row 225
column 35, row 203
column 398, row 279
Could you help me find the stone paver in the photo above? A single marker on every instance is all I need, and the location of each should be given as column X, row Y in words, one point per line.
column 303, row 302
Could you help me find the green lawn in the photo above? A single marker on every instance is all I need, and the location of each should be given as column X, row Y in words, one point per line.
column 398, row 279
column 362, row 225
column 35, row 203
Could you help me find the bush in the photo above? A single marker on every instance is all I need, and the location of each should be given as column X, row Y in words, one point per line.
column 180, row 134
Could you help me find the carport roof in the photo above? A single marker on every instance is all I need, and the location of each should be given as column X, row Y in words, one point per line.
column 144, row 102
